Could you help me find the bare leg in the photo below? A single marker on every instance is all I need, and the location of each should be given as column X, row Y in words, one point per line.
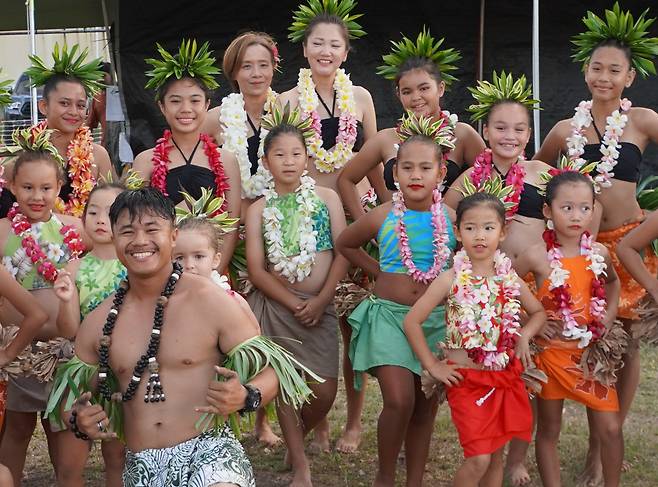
column 517, row 453
column 472, row 471
column 629, row 378
column 419, row 434
column 263, row 430
column 52, row 438
column 398, row 392
column 17, row 434
column 71, row 466
column 296, row 424
column 6, row 479
column 351, row 437
column 320, row 442
column 114, row 456
column 549, row 423
column 608, row 431
column 493, row 477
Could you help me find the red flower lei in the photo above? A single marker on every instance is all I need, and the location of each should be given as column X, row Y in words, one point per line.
column 161, row 166
column 79, row 165
column 21, row 227
column 515, row 176
column 562, row 297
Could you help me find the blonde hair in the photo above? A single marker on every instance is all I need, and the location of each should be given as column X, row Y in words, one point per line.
column 236, row 49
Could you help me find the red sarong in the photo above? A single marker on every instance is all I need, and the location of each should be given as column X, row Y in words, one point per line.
column 489, row 408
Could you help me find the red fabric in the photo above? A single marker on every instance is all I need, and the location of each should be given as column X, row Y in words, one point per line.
column 3, row 401
column 503, row 414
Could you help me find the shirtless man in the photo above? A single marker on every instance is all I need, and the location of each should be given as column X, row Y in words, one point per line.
column 199, row 323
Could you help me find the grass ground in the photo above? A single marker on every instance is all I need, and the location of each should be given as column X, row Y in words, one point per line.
column 337, row 470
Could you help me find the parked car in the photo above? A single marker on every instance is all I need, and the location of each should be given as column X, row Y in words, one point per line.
column 21, row 99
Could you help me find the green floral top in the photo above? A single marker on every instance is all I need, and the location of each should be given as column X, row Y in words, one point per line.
column 287, row 205
column 51, row 241
column 96, row 280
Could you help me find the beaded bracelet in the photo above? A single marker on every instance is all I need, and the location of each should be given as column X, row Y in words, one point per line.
column 73, row 421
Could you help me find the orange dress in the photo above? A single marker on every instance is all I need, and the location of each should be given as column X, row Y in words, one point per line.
column 631, row 291
column 560, row 358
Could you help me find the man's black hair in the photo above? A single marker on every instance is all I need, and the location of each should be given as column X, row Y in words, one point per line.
column 142, row 201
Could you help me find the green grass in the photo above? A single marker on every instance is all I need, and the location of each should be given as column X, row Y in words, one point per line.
column 336, row 470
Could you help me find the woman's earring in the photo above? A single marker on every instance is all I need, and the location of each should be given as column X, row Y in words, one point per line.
column 549, row 224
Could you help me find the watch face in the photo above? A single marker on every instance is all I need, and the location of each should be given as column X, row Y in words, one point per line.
column 256, row 403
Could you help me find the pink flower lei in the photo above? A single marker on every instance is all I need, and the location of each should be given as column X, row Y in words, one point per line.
column 22, row 227
column 515, row 176
column 562, row 297
column 488, row 338
column 161, row 166
column 439, row 238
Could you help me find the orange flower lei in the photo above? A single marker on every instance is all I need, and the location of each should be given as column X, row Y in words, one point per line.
column 79, row 164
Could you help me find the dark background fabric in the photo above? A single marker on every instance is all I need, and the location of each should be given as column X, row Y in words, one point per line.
column 507, row 37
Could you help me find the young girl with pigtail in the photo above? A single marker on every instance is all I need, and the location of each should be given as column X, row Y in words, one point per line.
column 486, row 348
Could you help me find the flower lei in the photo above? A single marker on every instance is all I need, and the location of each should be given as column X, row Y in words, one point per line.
column 562, row 297
column 489, row 337
column 614, row 129
column 233, row 118
column 482, row 171
column 22, row 228
column 298, row 267
column 328, row 161
column 79, row 165
column 439, row 238
column 161, row 165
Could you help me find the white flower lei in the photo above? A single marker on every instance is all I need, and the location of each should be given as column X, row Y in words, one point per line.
column 614, row 129
column 559, row 277
column 480, row 336
column 233, row 118
column 328, row 161
column 294, row 268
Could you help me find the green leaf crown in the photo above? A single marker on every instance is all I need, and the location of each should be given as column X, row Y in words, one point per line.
column 626, row 30
column 493, row 185
column 5, row 94
column 302, row 17
column 503, row 88
column 565, row 164
column 287, row 116
column 189, row 61
column 426, row 47
column 71, row 64
column 441, row 131
column 36, row 139
column 207, row 207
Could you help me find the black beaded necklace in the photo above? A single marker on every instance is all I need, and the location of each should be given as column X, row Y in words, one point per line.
column 154, row 390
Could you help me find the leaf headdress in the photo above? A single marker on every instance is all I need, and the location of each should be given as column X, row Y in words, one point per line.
column 130, row 179
column 503, row 88
column 565, row 164
column 5, row 95
column 189, row 61
column 71, row 64
column 425, row 46
column 287, row 116
column 207, row 207
column 493, row 185
column 441, row 131
column 37, row 139
column 626, row 30
column 302, row 17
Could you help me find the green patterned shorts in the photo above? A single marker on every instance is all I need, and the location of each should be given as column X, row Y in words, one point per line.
column 211, row 458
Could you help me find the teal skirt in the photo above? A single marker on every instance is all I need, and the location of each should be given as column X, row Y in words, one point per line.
column 378, row 336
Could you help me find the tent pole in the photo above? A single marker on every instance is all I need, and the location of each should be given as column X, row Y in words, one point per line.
column 33, row 50
column 480, row 73
column 535, row 70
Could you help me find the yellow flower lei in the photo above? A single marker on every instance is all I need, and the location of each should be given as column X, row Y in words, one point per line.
column 80, row 162
column 327, row 161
